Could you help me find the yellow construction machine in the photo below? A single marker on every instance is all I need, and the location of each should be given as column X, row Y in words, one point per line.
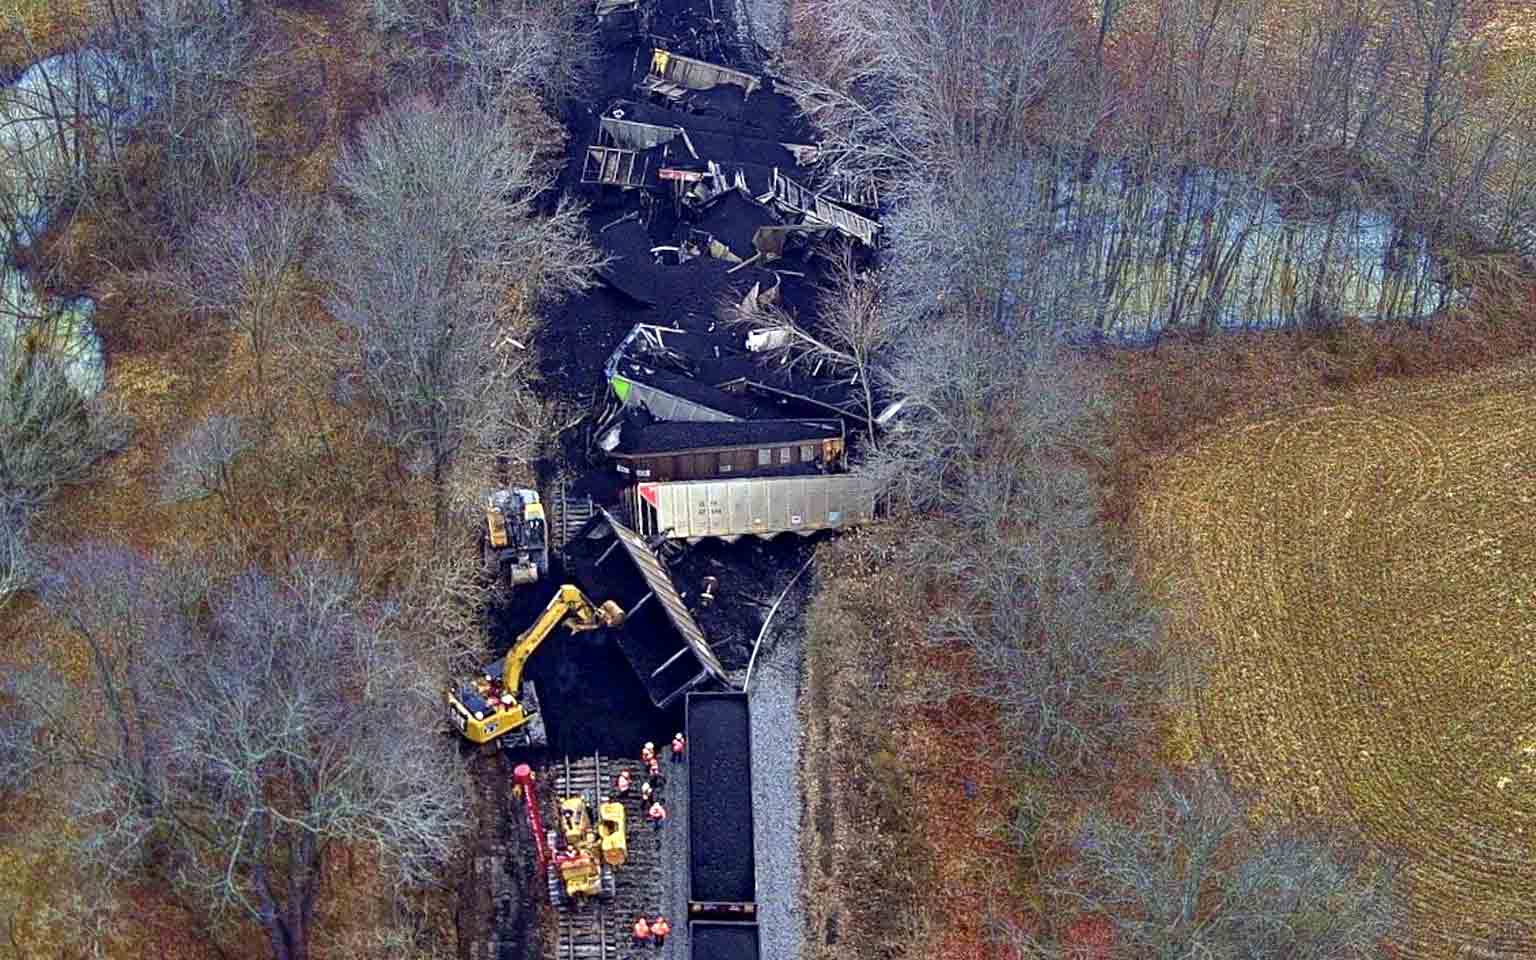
column 514, row 546
column 499, row 702
column 584, row 857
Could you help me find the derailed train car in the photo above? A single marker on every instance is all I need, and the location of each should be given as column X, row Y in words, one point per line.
column 719, row 447
column 693, row 510
column 682, row 450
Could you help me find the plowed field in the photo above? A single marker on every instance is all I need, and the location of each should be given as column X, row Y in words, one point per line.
column 1361, row 580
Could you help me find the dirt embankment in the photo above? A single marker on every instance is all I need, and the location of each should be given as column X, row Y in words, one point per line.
column 864, row 866
column 907, row 791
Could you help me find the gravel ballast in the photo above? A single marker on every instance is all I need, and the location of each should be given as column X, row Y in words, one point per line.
column 774, row 696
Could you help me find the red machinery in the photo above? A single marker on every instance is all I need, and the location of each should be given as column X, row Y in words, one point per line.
column 523, row 777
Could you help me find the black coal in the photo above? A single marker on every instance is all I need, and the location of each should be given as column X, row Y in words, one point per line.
column 720, row 838
column 722, row 941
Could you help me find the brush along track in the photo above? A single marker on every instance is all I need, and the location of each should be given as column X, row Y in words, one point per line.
column 594, row 930
column 495, row 894
column 1362, row 577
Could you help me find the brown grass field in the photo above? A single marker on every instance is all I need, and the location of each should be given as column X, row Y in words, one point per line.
column 1360, row 581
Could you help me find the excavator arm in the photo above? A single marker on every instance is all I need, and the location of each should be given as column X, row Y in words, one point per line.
column 484, row 710
column 569, row 606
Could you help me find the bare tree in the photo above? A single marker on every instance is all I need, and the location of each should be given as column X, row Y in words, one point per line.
column 175, row 65
column 21, row 727
column 302, row 728
column 53, row 117
column 50, row 434
column 1190, row 877
column 993, row 448
column 1061, row 640
column 852, row 335
column 506, row 46
column 905, row 92
column 244, row 262
column 232, row 754
column 986, row 406
column 445, row 262
column 125, row 611
column 16, row 562
column 202, row 463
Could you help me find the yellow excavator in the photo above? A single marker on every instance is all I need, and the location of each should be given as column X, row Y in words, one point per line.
column 584, row 857
column 499, row 702
column 514, row 546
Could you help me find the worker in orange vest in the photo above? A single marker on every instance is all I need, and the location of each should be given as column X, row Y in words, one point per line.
column 648, row 752
column 642, row 932
column 678, row 742
column 660, row 928
column 621, row 783
column 658, row 814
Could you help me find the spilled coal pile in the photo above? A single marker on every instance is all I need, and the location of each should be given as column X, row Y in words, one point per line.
column 697, row 178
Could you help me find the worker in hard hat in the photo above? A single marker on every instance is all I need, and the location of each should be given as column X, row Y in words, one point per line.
column 642, row 932
column 659, row 929
column 657, row 814
column 678, row 743
column 648, row 752
column 647, row 792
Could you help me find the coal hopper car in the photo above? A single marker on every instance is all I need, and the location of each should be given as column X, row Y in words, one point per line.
column 722, row 940
column 722, row 875
column 694, row 510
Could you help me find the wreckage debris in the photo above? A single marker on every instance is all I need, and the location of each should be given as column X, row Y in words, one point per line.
column 699, row 179
column 699, row 160
column 686, row 375
column 672, row 75
column 666, row 672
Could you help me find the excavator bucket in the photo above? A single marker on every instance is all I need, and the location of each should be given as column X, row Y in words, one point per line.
column 610, row 614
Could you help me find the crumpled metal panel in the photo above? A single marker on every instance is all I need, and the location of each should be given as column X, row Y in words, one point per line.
column 660, row 584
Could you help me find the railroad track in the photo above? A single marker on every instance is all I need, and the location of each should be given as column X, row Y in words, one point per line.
column 568, row 514
column 584, row 926
column 584, row 934
column 593, row 929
